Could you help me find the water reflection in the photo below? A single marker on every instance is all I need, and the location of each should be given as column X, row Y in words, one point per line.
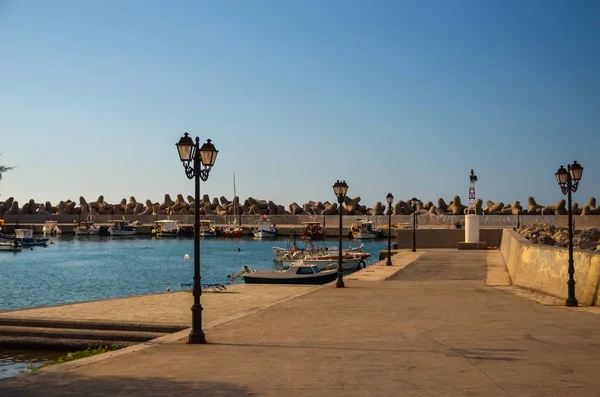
column 13, row 362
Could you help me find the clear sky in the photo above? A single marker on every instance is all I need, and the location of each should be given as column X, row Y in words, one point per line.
column 392, row 96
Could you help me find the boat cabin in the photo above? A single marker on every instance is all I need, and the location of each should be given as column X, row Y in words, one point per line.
column 364, row 226
column 167, row 225
column 305, row 269
column 24, row 233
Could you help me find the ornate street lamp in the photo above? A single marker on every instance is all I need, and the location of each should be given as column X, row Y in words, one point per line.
column 414, row 202
column 568, row 180
column 197, row 162
column 390, row 200
column 340, row 189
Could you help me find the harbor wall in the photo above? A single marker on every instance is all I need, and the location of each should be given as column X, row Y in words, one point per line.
column 544, row 268
column 403, row 221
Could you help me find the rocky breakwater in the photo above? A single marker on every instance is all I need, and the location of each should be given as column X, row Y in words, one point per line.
column 252, row 206
column 588, row 239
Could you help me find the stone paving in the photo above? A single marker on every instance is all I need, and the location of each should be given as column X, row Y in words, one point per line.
column 420, row 332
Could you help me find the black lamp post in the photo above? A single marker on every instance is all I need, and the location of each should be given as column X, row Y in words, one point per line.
column 194, row 158
column 568, row 180
column 390, row 200
column 414, row 203
column 340, row 189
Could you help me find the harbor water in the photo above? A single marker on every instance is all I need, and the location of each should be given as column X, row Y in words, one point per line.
column 78, row 269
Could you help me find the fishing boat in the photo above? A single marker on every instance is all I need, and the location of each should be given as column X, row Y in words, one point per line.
column 265, row 229
column 350, row 261
column 6, row 246
column 123, row 228
column 25, row 238
column 87, row 227
column 166, row 228
column 207, row 228
column 309, row 249
column 363, row 229
column 296, row 273
column 51, row 228
column 313, row 231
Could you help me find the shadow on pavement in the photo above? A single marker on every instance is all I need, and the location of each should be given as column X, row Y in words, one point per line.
column 67, row 384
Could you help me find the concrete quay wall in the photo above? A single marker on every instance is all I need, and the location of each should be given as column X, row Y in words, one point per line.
column 444, row 238
column 544, row 268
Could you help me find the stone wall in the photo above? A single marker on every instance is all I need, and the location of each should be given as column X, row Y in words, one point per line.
column 545, row 269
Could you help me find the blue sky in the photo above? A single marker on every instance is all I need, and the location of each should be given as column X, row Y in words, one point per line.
column 392, row 96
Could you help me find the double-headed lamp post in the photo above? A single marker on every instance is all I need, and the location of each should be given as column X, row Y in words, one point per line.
column 414, row 202
column 340, row 189
column 390, row 200
column 568, row 180
column 197, row 162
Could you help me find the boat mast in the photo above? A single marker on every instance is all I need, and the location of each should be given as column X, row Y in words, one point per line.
column 235, row 205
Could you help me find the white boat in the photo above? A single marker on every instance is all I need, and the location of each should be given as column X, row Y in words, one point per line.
column 265, row 229
column 350, row 261
column 51, row 228
column 166, row 228
column 363, row 230
column 297, row 273
column 6, row 246
column 123, row 228
column 310, row 249
column 207, row 229
column 87, row 227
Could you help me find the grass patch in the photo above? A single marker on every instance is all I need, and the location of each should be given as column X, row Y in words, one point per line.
column 89, row 352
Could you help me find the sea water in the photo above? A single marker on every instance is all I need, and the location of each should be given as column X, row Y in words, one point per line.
column 84, row 268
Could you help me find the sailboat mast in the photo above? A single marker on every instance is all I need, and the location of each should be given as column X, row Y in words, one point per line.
column 235, row 205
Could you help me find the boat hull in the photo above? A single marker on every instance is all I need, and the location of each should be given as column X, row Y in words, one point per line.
column 364, row 236
column 347, row 264
column 312, row 279
column 265, row 233
column 122, row 232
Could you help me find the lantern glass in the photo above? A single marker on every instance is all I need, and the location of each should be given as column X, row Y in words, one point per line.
column 340, row 188
column 185, row 148
column 208, row 153
column 562, row 175
column 389, row 198
column 576, row 171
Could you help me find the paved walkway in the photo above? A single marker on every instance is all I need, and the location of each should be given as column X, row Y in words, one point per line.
column 433, row 329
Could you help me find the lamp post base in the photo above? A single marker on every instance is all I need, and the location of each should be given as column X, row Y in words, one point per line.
column 197, row 337
column 414, row 250
column 340, row 281
column 389, row 260
column 571, row 302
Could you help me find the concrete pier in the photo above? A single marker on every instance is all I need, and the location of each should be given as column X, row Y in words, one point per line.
column 438, row 322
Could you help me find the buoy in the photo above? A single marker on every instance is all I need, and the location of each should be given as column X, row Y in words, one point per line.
column 186, row 257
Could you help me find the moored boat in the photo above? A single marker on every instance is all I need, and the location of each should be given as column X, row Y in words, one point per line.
column 296, row 273
column 363, row 230
column 265, row 229
column 312, row 231
column 166, row 228
column 25, row 238
column 6, row 246
column 51, row 228
column 207, row 228
column 87, row 227
column 123, row 228
column 350, row 261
